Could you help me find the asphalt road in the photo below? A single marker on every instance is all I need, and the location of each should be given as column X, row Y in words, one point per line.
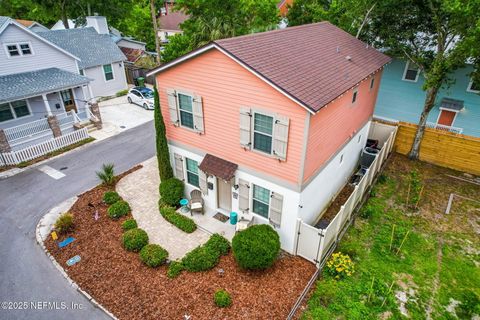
column 26, row 273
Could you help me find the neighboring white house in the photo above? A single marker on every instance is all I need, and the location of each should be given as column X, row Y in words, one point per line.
column 100, row 58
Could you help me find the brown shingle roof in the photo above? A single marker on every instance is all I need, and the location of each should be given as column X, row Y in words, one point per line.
column 26, row 23
column 308, row 62
column 218, row 167
column 132, row 54
column 172, row 20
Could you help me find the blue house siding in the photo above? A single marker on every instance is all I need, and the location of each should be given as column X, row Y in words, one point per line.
column 403, row 100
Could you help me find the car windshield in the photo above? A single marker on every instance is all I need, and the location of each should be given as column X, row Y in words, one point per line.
column 147, row 93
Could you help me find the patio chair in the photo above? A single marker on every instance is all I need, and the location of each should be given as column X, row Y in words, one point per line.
column 244, row 221
column 196, row 202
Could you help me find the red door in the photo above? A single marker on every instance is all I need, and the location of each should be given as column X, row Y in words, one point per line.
column 446, row 117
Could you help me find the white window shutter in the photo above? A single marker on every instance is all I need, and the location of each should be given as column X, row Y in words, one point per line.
column 198, row 114
column 179, row 166
column 243, row 195
column 245, row 127
column 202, row 177
column 280, row 137
column 172, row 106
column 276, row 204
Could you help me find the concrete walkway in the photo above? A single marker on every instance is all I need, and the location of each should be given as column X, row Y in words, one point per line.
column 140, row 189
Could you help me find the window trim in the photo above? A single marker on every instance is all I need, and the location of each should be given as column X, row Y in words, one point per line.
column 405, row 73
column 469, row 88
column 17, row 45
column 185, row 93
column 30, row 114
column 104, row 73
column 267, row 218
column 252, row 132
column 187, row 171
column 355, row 95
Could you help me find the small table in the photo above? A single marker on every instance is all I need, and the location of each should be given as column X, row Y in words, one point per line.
column 184, row 204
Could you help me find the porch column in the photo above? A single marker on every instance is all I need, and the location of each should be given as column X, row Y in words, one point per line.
column 4, row 145
column 54, row 125
column 90, row 92
column 47, row 105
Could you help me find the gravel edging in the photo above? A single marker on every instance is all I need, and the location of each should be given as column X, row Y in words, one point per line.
column 42, row 231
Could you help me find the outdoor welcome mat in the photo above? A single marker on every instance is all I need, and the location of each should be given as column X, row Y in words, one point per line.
column 221, row 217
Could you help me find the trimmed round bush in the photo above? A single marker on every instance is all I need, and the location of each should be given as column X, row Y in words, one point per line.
column 118, row 209
column 222, row 298
column 64, row 223
column 171, row 191
column 134, row 239
column 218, row 243
column 201, row 258
column 153, row 255
column 129, row 224
column 257, row 247
column 110, row 197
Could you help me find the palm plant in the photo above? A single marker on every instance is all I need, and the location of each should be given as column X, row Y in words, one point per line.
column 107, row 174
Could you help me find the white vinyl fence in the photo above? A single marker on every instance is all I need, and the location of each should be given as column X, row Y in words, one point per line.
column 314, row 244
column 43, row 148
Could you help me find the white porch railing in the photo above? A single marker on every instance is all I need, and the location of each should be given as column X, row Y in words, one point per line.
column 315, row 244
column 27, row 129
column 43, row 148
column 444, row 128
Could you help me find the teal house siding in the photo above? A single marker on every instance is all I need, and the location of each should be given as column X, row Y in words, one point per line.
column 403, row 100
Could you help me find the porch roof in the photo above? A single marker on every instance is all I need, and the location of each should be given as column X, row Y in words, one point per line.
column 29, row 84
column 452, row 104
column 218, row 167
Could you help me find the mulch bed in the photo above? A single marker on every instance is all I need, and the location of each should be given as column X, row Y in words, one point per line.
column 121, row 283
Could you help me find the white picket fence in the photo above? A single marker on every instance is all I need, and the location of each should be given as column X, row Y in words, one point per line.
column 43, row 148
column 314, row 244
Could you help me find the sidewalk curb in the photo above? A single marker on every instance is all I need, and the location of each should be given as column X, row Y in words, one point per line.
column 44, row 223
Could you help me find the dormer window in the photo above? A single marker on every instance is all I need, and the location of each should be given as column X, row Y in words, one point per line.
column 18, row 49
column 411, row 72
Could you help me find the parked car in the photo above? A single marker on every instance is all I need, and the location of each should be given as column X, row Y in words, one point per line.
column 142, row 96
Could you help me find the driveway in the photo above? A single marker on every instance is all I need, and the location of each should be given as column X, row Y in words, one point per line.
column 26, row 274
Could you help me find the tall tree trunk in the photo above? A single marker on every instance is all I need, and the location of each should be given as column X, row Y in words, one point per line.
column 428, row 106
column 153, row 12
column 64, row 15
column 365, row 19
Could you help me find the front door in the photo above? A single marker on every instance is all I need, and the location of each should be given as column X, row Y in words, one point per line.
column 68, row 100
column 446, row 117
column 224, row 196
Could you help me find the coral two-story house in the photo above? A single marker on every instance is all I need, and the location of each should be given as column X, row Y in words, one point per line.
column 271, row 123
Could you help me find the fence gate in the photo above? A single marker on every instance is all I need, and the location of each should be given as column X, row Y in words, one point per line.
column 309, row 242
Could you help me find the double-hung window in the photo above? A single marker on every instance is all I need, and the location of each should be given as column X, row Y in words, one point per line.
column 13, row 110
column 192, row 172
column 262, row 133
column 13, row 50
column 108, row 72
column 261, row 201
column 186, row 111
column 25, row 48
column 411, row 72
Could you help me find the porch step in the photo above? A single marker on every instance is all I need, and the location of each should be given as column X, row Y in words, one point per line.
column 90, row 127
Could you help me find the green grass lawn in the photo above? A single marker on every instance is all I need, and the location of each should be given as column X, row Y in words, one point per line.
column 436, row 272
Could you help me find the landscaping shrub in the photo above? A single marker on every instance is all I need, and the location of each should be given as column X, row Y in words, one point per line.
column 118, row 209
column 110, row 197
column 339, row 266
column 135, row 239
column 122, row 93
column 201, row 258
column 153, row 255
column 129, row 224
column 222, row 298
column 171, row 191
column 219, row 244
column 107, row 174
column 256, row 248
column 175, row 268
column 64, row 223
column 180, row 221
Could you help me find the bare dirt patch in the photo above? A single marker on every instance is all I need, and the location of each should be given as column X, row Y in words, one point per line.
column 121, row 283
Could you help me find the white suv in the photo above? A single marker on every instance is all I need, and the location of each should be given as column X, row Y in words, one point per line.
column 142, row 96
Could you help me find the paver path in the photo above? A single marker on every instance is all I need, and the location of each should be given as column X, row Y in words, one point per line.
column 140, row 189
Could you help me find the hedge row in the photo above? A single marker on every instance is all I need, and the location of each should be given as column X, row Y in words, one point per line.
column 180, row 221
column 202, row 258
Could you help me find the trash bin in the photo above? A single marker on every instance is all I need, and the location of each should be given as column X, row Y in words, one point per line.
column 141, row 81
column 233, row 217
